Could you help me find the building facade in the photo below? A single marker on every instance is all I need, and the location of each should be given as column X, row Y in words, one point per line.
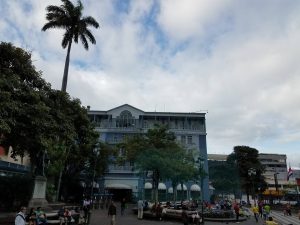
column 124, row 121
column 9, row 165
column 275, row 170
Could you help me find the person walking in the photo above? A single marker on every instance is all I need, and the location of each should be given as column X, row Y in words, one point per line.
column 20, row 217
column 123, row 206
column 236, row 209
column 255, row 212
column 112, row 212
column 184, row 215
column 140, row 209
column 267, row 210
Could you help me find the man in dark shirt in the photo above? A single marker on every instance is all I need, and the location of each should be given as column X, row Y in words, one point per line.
column 112, row 211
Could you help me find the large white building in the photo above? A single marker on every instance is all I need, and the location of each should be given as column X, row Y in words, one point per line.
column 118, row 123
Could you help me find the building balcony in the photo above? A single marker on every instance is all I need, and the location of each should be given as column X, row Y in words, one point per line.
column 13, row 167
column 120, row 169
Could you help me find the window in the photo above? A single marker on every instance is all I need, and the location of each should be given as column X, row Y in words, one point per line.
column 121, row 152
column 125, row 119
column 183, row 140
column 190, row 140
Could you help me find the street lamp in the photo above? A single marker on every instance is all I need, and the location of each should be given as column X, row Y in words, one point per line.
column 96, row 151
column 252, row 173
column 202, row 174
column 276, row 183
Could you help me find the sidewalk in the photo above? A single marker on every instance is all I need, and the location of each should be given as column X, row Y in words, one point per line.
column 99, row 216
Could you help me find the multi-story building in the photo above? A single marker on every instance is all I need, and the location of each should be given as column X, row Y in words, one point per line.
column 275, row 170
column 9, row 165
column 124, row 121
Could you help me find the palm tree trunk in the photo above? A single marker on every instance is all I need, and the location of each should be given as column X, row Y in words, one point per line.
column 66, row 70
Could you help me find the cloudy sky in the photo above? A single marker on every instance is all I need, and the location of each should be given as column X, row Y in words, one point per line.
column 237, row 59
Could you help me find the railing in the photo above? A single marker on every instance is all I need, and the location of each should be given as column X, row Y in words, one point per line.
column 139, row 127
column 118, row 168
column 13, row 167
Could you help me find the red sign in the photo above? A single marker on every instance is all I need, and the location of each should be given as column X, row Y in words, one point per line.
column 2, row 151
column 298, row 181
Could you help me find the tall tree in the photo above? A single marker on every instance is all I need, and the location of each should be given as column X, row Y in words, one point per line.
column 249, row 167
column 69, row 17
column 159, row 153
column 24, row 114
column 35, row 118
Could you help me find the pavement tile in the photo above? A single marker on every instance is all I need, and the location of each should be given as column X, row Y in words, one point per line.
column 99, row 217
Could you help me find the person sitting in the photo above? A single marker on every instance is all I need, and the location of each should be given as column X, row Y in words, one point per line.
column 31, row 217
column 67, row 216
column 41, row 217
column 195, row 218
column 64, row 216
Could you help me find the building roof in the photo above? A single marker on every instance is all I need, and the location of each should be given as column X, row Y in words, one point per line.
column 202, row 114
column 217, row 157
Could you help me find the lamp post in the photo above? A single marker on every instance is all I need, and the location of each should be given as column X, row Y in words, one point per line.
column 276, row 183
column 201, row 170
column 96, row 151
column 252, row 173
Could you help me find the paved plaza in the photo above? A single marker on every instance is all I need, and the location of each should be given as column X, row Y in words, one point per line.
column 99, row 217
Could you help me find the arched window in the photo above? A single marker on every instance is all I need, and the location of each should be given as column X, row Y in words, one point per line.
column 125, row 119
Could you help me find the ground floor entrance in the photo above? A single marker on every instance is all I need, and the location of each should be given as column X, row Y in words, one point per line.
column 119, row 194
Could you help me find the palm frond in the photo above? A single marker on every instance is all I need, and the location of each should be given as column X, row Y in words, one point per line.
column 66, row 39
column 84, row 41
column 90, row 36
column 90, row 21
column 68, row 7
column 76, row 34
column 51, row 24
column 55, row 17
column 55, row 9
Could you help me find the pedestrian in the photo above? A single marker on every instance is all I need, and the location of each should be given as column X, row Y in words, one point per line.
column 267, row 210
column 288, row 209
column 123, row 206
column 41, row 217
column 260, row 209
column 255, row 212
column 184, row 215
column 20, row 217
column 237, row 211
column 31, row 217
column 86, row 208
column 159, row 212
column 112, row 212
column 140, row 209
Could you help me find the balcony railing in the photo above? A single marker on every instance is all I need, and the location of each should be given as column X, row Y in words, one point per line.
column 138, row 126
column 117, row 168
column 14, row 167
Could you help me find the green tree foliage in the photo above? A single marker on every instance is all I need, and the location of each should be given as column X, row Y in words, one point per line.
column 224, row 177
column 69, row 17
column 159, row 153
column 246, row 159
column 24, row 114
column 35, row 118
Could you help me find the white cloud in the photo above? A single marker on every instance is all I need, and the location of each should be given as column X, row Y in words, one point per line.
column 236, row 59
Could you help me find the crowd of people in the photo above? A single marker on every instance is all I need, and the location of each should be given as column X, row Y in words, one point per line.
column 34, row 217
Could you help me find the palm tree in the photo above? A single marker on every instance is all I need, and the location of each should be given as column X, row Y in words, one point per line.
column 69, row 17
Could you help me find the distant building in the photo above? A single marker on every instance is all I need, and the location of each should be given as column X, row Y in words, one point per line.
column 9, row 165
column 275, row 170
column 124, row 121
